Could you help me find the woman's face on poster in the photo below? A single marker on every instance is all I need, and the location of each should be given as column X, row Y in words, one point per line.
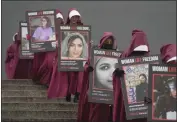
column 43, row 22
column 104, row 69
column 75, row 48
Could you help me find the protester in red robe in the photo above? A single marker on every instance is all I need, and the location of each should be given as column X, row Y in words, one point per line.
column 45, row 70
column 14, row 66
column 84, row 105
column 168, row 53
column 94, row 112
column 138, row 47
column 63, row 84
column 168, row 56
column 75, row 78
column 165, row 104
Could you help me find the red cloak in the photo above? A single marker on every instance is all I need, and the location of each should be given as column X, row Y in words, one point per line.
column 14, row 67
column 119, row 115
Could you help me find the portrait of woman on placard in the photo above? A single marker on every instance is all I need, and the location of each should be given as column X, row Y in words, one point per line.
column 103, row 73
column 24, row 41
column 25, row 44
column 75, row 47
column 44, row 32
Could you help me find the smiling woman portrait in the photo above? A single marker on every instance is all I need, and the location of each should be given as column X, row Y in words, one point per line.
column 44, row 32
column 75, row 47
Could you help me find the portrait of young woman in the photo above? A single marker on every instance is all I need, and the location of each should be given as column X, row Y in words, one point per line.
column 74, row 47
column 103, row 73
column 43, row 29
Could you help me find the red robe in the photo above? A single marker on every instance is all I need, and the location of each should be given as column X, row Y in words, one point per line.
column 58, row 86
column 37, row 61
column 168, row 51
column 14, row 66
column 100, row 112
column 92, row 112
column 46, row 69
column 119, row 115
column 84, row 105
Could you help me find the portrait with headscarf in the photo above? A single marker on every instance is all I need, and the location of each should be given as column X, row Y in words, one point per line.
column 74, row 46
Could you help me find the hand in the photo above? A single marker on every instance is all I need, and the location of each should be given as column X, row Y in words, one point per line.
column 90, row 69
column 54, row 44
column 147, row 100
column 118, row 72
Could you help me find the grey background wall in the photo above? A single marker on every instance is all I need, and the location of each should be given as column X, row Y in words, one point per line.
column 157, row 19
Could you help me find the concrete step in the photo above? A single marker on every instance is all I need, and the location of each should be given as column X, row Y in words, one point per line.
column 39, row 114
column 22, row 87
column 16, row 99
column 38, row 119
column 39, row 106
column 26, row 93
column 18, row 82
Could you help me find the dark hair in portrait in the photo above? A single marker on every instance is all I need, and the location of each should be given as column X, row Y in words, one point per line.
column 49, row 24
column 141, row 89
column 72, row 38
column 103, row 72
column 74, row 45
column 166, row 101
column 143, row 76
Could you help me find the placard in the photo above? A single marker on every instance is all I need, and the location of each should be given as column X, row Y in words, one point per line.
column 162, row 91
column 42, row 30
column 74, row 47
column 25, row 52
column 104, row 63
column 135, row 84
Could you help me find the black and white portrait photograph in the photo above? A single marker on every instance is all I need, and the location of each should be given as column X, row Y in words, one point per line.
column 103, row 72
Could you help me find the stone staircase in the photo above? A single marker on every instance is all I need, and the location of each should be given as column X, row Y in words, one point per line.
column 25, row 101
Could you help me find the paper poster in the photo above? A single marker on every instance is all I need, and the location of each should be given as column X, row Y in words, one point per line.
column 135, row 84
column 42, row 30
column 162, row 91
column 25, row 52
column 74, row 47
column 104, row 63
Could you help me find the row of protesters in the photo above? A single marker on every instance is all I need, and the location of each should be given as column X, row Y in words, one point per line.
column 168, row 56
column 95, row 112
column 64, row 84
column 43, row 61
column 14, row 66
column 43, row 68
